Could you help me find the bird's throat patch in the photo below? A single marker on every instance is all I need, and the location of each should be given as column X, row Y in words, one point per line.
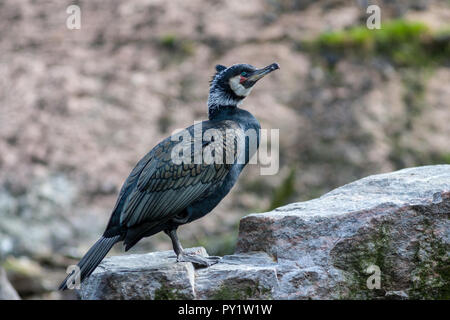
column 238, row 88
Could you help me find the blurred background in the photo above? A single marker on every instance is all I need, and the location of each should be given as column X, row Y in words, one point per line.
column 79, row 108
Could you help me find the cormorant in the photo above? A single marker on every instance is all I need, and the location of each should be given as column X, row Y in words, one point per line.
column 161, row 194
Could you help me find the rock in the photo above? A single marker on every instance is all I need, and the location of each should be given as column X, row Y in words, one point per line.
column 396, row 295
column 397, row 222
column 158, row 276
column 243, row 276
column 7, row 292
column 46, row 206
column 382, row 237
column 144, row 276
column 28, row 277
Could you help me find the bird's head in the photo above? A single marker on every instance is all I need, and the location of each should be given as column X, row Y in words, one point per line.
column 230, row 85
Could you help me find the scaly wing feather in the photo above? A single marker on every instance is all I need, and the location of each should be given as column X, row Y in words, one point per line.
column 165, row 188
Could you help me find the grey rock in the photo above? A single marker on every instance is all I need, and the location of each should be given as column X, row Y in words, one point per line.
column 49, row 206
column 397, row 221
column 396, row 295
column 158, row 276
column 7, row 292
column 144, row 276
column 395, row 226
column 243, row 276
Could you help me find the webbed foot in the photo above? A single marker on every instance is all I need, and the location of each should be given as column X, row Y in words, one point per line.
column 198, row 260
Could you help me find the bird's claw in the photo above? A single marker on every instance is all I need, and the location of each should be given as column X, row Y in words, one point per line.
column 197, row 260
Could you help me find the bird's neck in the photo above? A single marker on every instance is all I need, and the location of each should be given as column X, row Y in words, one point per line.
column 222, row 101
column 217, row 111
column 243, row 117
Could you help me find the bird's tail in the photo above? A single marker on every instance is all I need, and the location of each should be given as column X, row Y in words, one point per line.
column 91, row 260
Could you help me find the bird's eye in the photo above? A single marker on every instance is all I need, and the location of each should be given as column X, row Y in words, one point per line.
column 244, row 74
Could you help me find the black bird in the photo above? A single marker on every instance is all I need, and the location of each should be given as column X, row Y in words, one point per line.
column 163, row 193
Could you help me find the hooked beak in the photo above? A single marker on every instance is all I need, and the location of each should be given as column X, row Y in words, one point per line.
column 260, row 73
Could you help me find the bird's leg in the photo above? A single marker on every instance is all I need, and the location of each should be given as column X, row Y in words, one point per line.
column 197, row 260
column 172, row 233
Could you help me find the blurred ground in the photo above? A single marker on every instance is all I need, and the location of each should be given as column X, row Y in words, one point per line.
column 78, row 108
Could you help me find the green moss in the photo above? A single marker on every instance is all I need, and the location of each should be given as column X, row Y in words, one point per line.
column 391, row 33
column 431, row 276
column 164, row 122
column 227, row 293
column 372, row 251
column 284, row 192
column 166, row 293
column 403, row 154
column 440, row 158
column 175, row 49
column 21, row 267
column 404, row 42
column 375, row 254
column 258, row 186
column 176, row 45
column 236, row 292
column 414, row 98
column 402, row 157
column 288, row 6
column 168, row 41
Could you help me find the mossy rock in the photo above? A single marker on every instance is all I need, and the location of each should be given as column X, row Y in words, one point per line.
column 166, row 293
column 405, row 43
column 242, row 291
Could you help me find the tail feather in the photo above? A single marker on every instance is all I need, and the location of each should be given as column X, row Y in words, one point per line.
column 91, row 260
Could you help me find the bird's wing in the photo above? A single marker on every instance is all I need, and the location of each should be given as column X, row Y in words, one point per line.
column 164, row 188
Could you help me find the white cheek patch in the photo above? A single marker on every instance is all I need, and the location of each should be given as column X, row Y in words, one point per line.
column 238, row 88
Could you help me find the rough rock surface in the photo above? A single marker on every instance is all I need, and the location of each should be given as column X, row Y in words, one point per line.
column 7, row 291
column 158, row 276
column 321, row 249
column 397, row 221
